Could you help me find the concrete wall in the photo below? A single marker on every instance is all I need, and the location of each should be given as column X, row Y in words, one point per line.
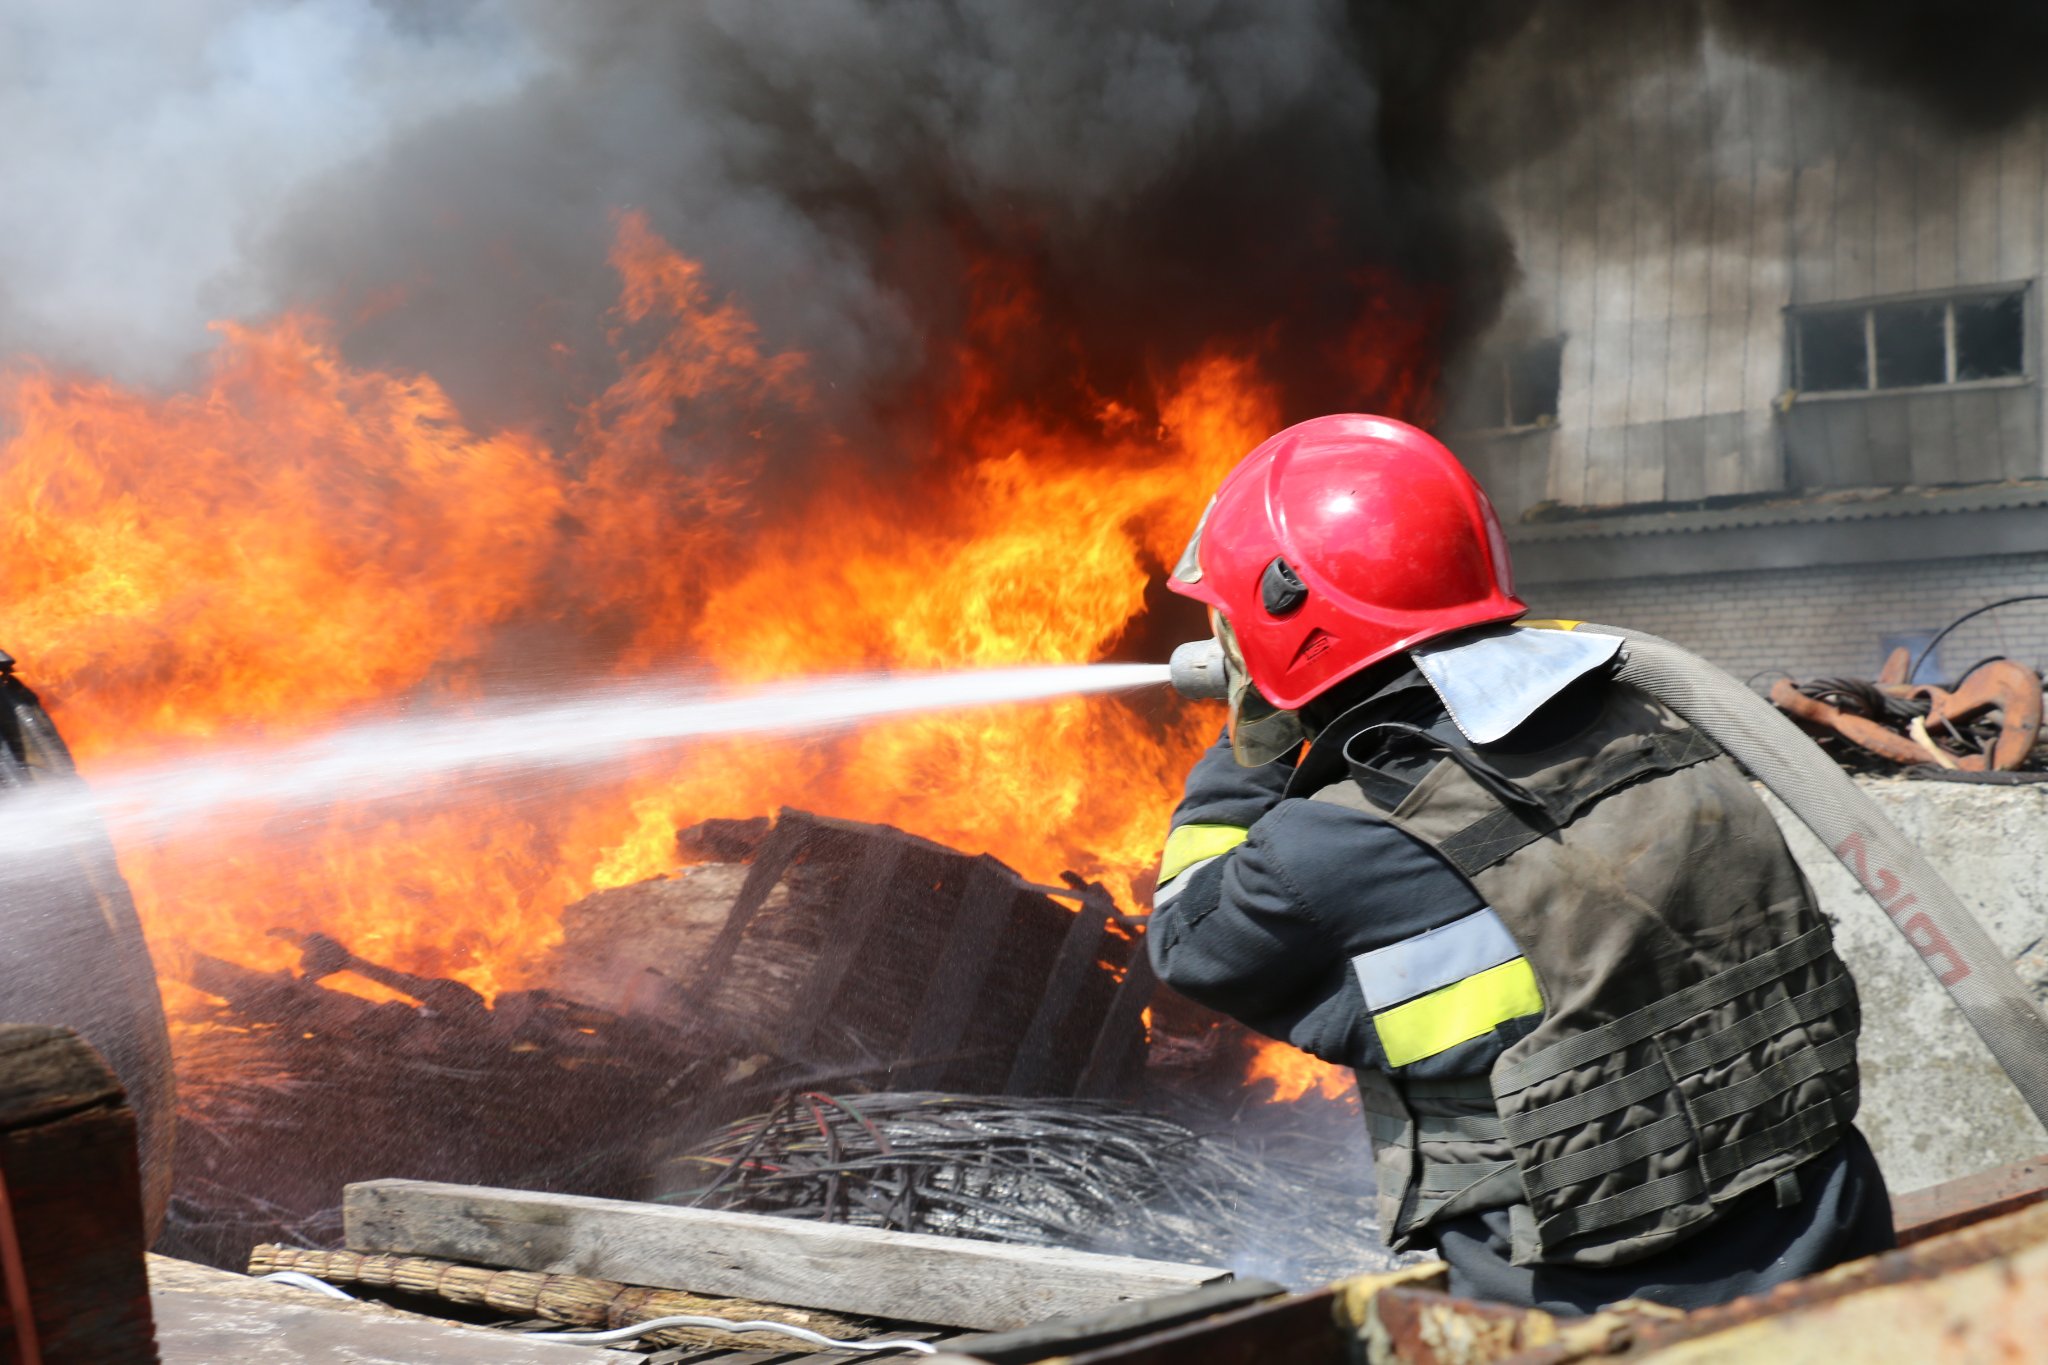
column 1935, row 1105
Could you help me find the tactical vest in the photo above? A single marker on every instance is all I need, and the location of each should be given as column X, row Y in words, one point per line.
column 1698, row 1033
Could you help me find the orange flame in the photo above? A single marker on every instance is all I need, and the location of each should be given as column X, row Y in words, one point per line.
column 1295, row 1073
column 295, row 541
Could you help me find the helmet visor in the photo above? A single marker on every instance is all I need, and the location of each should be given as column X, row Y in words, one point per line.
column 1259, row 731
column 1188, row 569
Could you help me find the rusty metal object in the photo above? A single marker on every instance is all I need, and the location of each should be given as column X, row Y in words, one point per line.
column 1421, row 1327
column 1971, row 1285
column 1868, row 734
column 1958, row 1296
column 2014, row 691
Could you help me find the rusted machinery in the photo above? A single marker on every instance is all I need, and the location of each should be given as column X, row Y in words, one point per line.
column 1912, row 724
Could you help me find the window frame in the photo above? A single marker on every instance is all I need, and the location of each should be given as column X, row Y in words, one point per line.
column 1948, row 299
column 1497, row 363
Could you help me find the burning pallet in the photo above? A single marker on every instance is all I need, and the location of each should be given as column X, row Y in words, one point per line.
column 859, row 949
column 811, row 951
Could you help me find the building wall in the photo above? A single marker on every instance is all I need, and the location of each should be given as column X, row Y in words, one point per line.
column 1821, row 621
column 1695, row 200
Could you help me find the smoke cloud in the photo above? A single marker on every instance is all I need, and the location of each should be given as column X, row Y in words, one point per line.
column 145, row 149
column 439, row 177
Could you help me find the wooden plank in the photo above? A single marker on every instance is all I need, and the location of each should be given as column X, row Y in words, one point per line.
column 771, row 859
column 908, row 1276
column 1045, row 1039
column 72, row 1205
column 1071, row 1335
column 1971, row 1199
column 1299, row 1330
column 850, row 931
column 1113, row 1045
column 988, row 900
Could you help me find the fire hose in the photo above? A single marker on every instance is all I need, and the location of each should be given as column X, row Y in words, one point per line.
column 1915, row 898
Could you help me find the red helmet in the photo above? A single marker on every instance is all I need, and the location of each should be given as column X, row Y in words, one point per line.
column 1339, row 542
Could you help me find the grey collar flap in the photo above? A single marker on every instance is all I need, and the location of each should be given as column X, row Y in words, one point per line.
column 1494, row 678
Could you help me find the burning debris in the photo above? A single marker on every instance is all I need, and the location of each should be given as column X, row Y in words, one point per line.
column 817, row 951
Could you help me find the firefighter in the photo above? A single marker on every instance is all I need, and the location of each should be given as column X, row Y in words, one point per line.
column 1604, row 1047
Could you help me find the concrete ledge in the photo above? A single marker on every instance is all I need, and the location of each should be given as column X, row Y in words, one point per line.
column 1935, row 1104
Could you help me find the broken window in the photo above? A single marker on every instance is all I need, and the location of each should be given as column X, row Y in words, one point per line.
column 1532, row 382
column 1912, row 343
column 1991, row 337
column 1833, row 352
column 1514, row 387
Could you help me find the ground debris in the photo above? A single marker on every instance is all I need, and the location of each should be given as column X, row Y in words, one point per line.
column 1092, row 1175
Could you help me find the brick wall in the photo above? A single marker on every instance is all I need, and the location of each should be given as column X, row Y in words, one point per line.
column 1811, row 622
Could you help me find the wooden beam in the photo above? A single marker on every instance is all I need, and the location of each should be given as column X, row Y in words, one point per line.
column 73, row 1283
column 988, row 898
column 1045, row 1040
column 1969, row 1199
column 1121, row 1026
column 849, row 930
column 792, row 827
column 911, row 1277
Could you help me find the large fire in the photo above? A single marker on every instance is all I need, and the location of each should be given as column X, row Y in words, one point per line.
column 295, row 542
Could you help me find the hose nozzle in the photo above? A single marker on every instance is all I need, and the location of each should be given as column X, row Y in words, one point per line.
column 1196, row 671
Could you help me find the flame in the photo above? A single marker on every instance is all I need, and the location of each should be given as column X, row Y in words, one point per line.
column 294, row 541
column 1295, row 1073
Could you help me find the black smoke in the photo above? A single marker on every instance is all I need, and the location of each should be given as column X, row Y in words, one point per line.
column 439, row 176
column 1167, row 174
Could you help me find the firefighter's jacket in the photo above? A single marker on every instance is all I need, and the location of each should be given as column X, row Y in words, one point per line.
column 1634, row 1018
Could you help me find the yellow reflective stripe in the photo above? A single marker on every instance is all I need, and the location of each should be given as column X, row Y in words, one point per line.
column 1190, row 844
column 1443, row 1019
column 1551, row 625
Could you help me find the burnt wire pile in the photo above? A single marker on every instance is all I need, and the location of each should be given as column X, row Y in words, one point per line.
column 1075, row 1173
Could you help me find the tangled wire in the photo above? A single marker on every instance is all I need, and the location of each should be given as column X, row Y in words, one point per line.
column 1075, row 1173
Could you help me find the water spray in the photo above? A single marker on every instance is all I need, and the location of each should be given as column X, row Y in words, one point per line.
column 391, row 758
